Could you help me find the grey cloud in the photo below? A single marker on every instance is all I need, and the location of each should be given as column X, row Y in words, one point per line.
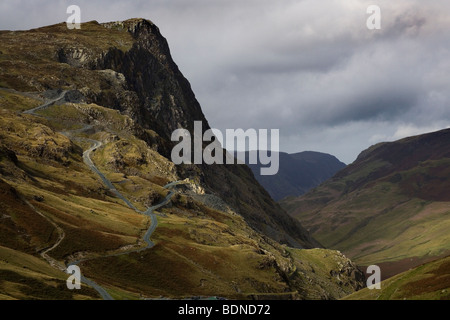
column 310, row 68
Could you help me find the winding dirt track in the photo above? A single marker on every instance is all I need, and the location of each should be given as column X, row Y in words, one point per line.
column 149, row 212
column 88, row 161
column 61, row 236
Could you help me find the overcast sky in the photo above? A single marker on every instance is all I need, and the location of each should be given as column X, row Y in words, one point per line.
column 310, row 68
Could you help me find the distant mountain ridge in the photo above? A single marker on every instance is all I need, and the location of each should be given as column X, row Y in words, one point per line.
column 298, row 172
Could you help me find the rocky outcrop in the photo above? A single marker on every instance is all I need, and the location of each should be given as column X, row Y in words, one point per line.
column 165, row 99
column 347, row 273
column 329, row 275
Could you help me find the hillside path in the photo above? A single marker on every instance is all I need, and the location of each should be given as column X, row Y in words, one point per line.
column 88, row 161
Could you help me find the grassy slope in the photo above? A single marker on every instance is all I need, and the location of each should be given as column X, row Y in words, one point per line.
column 372, row 231
column 24, row 276
column 71, row 196
column 199, row 251
column 386, row 218
column 430, row 281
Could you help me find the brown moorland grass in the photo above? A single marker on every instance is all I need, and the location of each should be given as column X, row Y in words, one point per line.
column 23, row 276
column 80, row 240
column 429, row 281
column 22, row 228
column 436, row 280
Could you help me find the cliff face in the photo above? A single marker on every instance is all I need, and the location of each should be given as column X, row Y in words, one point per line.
column 127, row 66
column 166, row 102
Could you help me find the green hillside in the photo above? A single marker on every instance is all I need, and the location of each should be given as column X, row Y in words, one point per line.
column 430, row 281
column 390, row 206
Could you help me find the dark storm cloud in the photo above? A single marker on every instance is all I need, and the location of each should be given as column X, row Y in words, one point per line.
column 319, row 57
column 409, row 23
column 310, row 68
column 384, row 107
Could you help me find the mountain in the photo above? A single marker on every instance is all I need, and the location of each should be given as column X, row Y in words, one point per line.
column 297, row 174
column 86, row 179
column 127, row 66
column 390, row 207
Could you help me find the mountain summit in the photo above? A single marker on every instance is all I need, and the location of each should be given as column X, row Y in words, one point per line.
column 298, row 173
